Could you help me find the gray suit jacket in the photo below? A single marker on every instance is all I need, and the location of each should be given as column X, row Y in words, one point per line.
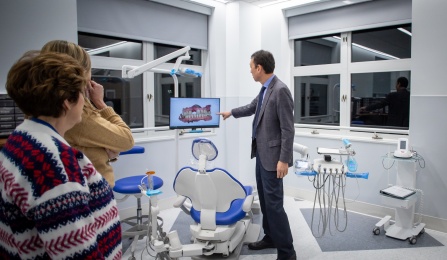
column 275, row 127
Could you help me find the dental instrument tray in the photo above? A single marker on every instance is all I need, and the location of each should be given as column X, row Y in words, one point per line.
column 397, row 192
column 332, row 151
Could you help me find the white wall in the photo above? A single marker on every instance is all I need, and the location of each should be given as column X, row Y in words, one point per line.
column 428, row 123
column 27, row 25
column 243, row 39
column 428, row 47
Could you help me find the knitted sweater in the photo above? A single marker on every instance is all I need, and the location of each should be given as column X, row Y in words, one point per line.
column 100, row 130
column 53, row 203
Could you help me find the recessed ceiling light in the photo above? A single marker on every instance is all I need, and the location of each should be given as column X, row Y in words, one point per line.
column 280, row 1
column 405, row 31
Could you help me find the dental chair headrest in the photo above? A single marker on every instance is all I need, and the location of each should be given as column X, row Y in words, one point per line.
column 204, row 146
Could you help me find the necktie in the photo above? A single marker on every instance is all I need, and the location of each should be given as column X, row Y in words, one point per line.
column 258, row 108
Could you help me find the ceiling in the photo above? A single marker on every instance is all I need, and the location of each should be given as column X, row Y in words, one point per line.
column 258, row 2
column 323, row 4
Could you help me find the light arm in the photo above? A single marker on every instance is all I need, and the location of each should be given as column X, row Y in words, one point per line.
column 132, row 71
column 301, row 149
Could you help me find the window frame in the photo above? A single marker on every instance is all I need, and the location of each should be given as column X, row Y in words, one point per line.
column 345, row 68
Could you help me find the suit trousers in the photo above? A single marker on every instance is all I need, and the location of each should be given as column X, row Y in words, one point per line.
column 274, row 218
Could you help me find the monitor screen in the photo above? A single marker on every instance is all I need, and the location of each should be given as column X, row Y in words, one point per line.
column 403, row 145
column 194, row 113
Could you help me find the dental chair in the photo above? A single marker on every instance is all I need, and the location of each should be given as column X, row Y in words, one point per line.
column 219, row 205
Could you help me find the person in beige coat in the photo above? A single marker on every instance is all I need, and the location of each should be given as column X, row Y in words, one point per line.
column 102, row 134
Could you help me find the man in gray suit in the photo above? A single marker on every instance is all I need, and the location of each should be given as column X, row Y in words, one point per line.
column 272, row 145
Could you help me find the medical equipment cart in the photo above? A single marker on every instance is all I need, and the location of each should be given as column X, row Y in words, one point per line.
column 404, row 227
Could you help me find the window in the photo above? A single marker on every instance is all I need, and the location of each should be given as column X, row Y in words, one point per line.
column 313, row 104
column 104, row 46
column 337, row 77
column 372, row 92
column 164, row 84
column 381, row 44
column 124, row 95
column 142, row 101
column 316, row 51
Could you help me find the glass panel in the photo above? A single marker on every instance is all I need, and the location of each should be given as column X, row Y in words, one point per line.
column 317, row 100
column 164, row 90
column 124, row 95
column 317, row 51
column 382, row 44
column 380, row 99
column 163, row 49
column 98, row 45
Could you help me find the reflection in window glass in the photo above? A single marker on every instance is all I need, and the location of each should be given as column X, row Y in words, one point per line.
column 163, row 49
column 382, row 44
column 98, row 45
column 164, row 90
column 124, row 95
column 380, row 99
column 317, row 51
column 317, row 99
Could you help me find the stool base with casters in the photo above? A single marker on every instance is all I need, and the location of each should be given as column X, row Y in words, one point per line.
column 130, row 186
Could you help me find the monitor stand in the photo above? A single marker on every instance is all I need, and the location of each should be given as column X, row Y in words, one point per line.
column 195, row 130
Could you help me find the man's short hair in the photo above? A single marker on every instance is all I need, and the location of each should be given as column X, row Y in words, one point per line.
column 265, row 59
column 403, row 82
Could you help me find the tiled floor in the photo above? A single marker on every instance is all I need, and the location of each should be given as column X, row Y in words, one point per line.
column 307, row 246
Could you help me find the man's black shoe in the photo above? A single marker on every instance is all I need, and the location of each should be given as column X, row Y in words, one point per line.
column 259, row 245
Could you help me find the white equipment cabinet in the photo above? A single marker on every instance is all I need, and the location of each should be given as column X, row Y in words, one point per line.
column 404, row 227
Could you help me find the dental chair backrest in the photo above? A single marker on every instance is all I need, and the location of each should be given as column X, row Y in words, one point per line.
column 210, row 191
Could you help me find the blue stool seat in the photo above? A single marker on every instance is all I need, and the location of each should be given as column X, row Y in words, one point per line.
column 129, row 185
column 133, row 150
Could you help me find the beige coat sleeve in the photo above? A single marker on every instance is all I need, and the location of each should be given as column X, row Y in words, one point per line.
column 103, row 128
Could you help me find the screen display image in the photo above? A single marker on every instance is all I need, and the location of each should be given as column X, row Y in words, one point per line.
column 403, row 145
column 194, row 113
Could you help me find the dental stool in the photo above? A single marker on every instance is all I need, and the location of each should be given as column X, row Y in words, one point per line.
column 130, row 186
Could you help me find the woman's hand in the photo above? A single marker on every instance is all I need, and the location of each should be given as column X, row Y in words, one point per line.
column 113, row 156
column 96, row 94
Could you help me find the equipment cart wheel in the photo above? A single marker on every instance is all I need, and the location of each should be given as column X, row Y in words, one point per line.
column 413, row 240
column 376, row 231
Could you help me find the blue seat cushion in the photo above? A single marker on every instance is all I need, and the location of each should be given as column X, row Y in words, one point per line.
column 133, row 150
column 129, row 185
column 231, row 216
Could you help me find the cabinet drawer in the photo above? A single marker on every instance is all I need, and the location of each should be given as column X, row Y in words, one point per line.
column 5, row 132
column 6, row 103
column 6, row 110
column 7, row 125
column 6, row 118
column 399, row 203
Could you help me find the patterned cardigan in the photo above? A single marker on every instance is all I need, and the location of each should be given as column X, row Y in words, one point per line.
column 53, row 202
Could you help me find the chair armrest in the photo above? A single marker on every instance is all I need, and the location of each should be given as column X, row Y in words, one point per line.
column 181, row 202
column 246, row 207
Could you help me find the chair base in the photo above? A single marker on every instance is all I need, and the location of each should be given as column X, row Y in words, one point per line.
column 135, row 229
column 251, row 236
